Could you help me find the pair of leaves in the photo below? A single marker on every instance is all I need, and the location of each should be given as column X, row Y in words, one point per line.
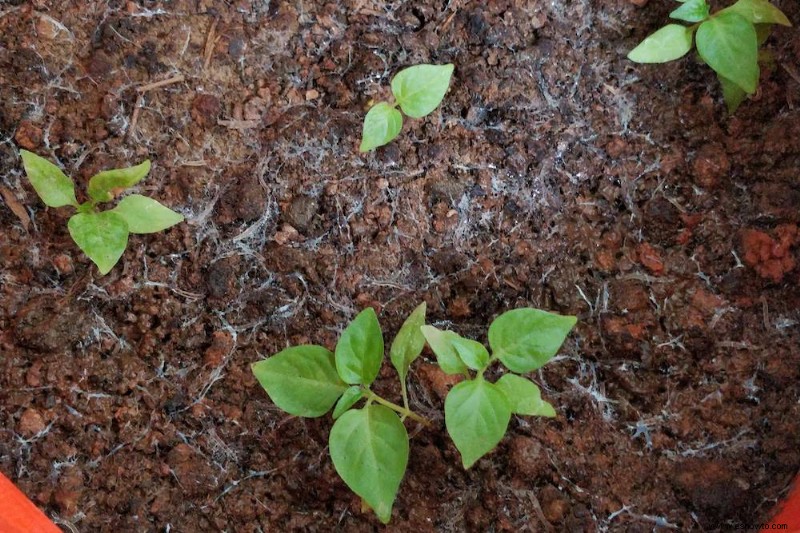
column 477, row 412
column 369, row 446
column 727, row 41
column 102, row 236
column 418, row 90
column 522, row 339
column 57, row 190
column 308, row 380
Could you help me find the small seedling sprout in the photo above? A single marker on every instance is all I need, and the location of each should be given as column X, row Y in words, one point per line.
column 417, row 90
column 102, row 235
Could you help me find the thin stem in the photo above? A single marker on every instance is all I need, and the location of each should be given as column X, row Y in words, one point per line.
column 404, row 412
column 404, row 392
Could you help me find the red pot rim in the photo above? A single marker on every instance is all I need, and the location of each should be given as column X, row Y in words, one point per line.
column 18, row 514
column 787, row 517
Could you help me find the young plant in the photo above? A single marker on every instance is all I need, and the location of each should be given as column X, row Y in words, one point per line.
column 102, row 235
column 369, row 445
column 417, row 90
column 728, row 41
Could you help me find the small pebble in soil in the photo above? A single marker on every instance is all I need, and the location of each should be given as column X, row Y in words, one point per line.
column 206, row 109
column 31, row 423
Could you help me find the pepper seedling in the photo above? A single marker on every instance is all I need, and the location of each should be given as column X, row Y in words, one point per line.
column 728, row 41
column 102, row 235
column 369, row 446
column 417, row 90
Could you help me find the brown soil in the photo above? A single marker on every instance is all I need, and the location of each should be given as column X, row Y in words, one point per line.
column 556, row 174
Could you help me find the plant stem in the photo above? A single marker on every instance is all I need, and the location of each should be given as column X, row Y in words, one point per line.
column 404, row 392
column 403, row 411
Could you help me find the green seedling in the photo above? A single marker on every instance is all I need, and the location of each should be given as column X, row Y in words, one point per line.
column 728, row 41
column 102, row 235
column 417, row 90
column 369, row 445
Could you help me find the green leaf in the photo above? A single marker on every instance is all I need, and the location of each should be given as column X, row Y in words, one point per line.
column 104, row 186
column 441, row 342
column 525, row 339
column 348, row 400
column 728, row 43
column 359, row 352
column 758, row 12
column 476, row 414
column 421, row 88
column 474, row 354
column 53, row 187
column 145, row 215
column 102, row 236
column 301, row 380
column 409, row 342
column 732, row 94
column 381, row 125
column 524, row 396
column 691, row 11
column 670, row 42
column 369, row 449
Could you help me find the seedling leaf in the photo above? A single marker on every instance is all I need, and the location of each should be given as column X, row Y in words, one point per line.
column 359, row 352
column 369, row 449
column 409, row 342
column 441, row 342
column 104, row 186
column 731, row 93
column 145, row 215
column 382, row 124
column 476, row 414
column 669, row 43
column 53, row 187
column 728, row 43
column 348, row 400
column 474, row 354
column 101, row 236
column 301, row 380
column 525, row 339
column 524, row 396
column 421, row 88
column 759, row 12
column 691, row 11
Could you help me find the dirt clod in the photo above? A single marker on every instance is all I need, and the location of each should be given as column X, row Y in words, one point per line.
column 770, row 257
column 29, row 135
column 206, row 109
column 48, row 325
column 192, row 470
column 31, row 423
column 710, row 165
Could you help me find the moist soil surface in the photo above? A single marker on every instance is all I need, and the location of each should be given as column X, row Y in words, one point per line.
column 556, row 174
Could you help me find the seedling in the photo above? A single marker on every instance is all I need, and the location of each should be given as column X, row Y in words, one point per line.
column 728, row 41
column 417, row 90
column 369, row 445
column 102, row 235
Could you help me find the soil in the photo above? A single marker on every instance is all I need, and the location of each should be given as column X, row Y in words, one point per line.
column 556, row 174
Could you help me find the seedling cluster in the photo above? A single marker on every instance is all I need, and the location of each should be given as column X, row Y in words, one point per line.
column 369, row 445
column 417, row 90
column 102, row 235
column 728, row 41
